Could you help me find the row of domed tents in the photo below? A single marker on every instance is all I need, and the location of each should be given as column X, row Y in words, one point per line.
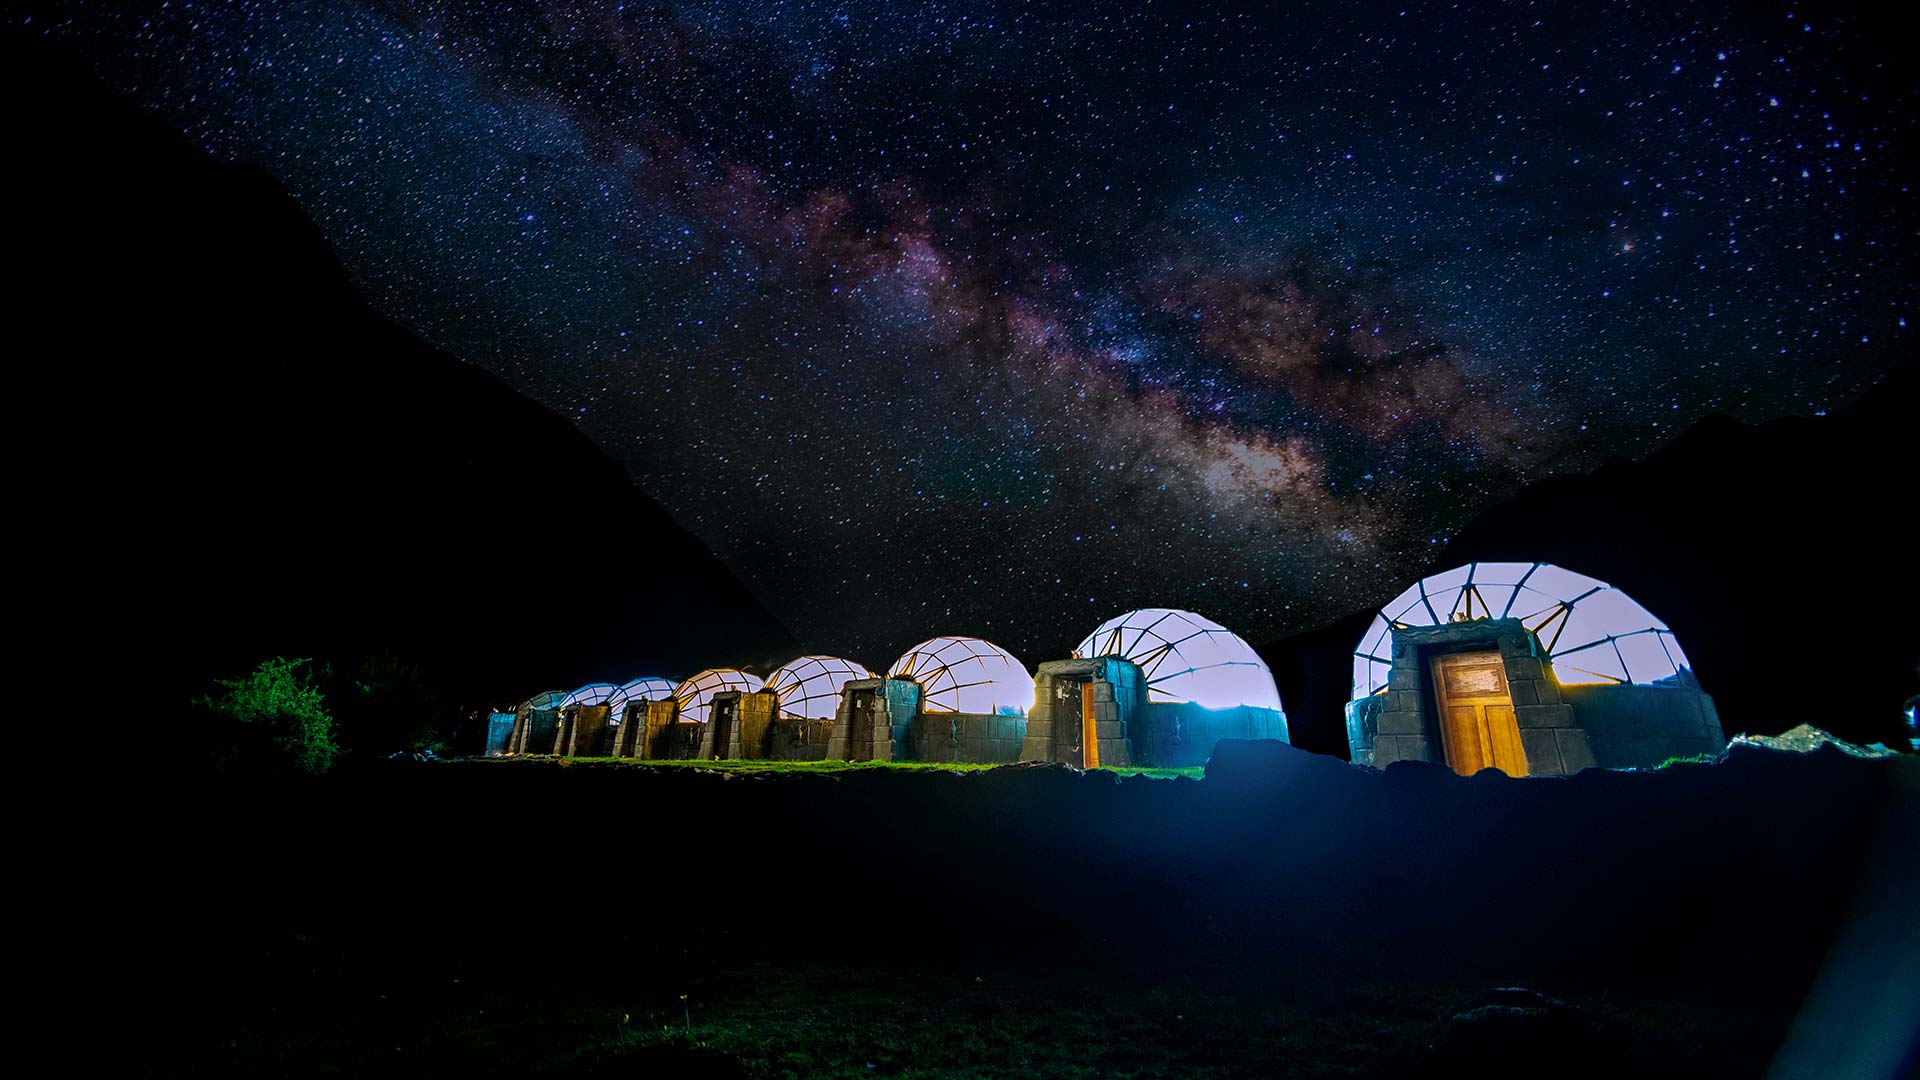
column 1525, row 667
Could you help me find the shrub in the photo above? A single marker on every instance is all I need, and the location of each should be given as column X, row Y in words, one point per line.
column 281, row 698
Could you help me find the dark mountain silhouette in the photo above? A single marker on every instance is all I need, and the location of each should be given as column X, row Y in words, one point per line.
column 1782, row 554
column 236, row 458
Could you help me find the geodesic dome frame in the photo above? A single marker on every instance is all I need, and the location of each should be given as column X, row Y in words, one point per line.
column 1185, row 658
column 598, row 693
column 696, row 694
column 645, row 688
column 966, row 675
column 809, row 686
column 542, row 702
column 1590, row 631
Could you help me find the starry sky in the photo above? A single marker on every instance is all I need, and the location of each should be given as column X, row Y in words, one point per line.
column 1001, row 318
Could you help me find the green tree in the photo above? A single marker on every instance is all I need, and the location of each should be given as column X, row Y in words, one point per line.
column 281, row 697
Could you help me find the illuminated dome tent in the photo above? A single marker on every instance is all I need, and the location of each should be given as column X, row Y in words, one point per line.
column 1526, row 668
column 809, row 686
column 631, row 701
column 534, row 724
column 947, row 699
column 583, row 726
column 1155, row 686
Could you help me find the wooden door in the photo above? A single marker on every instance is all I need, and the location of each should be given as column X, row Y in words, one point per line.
column 1477, row 728
column 1089, row 736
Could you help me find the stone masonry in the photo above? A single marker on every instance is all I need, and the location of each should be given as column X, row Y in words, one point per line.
column 1053, row 727
column 1401, row 725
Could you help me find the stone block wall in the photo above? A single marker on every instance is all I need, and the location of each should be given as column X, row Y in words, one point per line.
column 1638, row 727
column 752, row 730
column 968, row 737
column 799, row 740
column 582, row 731
column 1179, row 734
column 662, row 736
column 533, row 731
column 499, row 732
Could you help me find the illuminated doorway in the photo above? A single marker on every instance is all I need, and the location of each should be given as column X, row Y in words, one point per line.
column 1475, row 706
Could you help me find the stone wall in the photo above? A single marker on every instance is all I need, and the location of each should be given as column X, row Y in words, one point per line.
column 1178, row 734
column 499, row 732
column 659, row 734
column 582, row 731
column 1638, row 727
column 968, row 737
column 799, row 740
column 752, row 731
column 533, row 731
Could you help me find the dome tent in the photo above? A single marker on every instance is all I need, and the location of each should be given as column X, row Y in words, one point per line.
column 1526, row 668
column 695, row 695
column 953, row 698
column 966, row 675
column 1155, row 686
column 1185, row 658
column 534, row 724
column 809, row 686
column 585, row 717
column 1591, row 631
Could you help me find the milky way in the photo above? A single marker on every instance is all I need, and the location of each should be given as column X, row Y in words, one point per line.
column 1002, row 318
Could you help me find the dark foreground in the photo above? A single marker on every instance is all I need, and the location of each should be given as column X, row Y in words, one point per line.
column 1288, row 916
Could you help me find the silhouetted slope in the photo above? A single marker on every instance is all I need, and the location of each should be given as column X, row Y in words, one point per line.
column 240, row 459
column 1782, row 554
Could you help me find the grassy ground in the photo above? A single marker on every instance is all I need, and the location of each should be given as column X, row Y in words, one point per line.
column 820, row 1018
column 749, row 767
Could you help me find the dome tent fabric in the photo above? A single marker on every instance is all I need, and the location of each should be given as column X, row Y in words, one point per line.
column 1185, row 658
column 600, row 693
column 809, row 686
column 1590, row 631
column 966, row 675
column 552, row 699
column 696, row 694
column 644, row 688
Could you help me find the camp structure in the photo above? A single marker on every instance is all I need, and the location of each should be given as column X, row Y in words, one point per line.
column 628, row 711
column 1526, row 668
column 948, row 699
column 1156, row 686
column 534, row 723
column 679, row 725
column 583, row 729
column 805, row 696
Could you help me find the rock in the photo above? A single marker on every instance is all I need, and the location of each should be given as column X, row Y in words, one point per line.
column 1511, row 1031
column 1806, row 738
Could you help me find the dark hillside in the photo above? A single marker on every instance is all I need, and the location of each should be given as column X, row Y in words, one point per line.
column 240, row 459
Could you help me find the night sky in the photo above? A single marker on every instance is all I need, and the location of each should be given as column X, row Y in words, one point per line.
column 1003, row 318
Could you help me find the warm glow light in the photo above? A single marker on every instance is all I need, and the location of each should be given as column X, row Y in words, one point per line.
column 966, row 675
column 809, row 687
column 1591, row 631
column 696, row 694
column 1186, row 657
